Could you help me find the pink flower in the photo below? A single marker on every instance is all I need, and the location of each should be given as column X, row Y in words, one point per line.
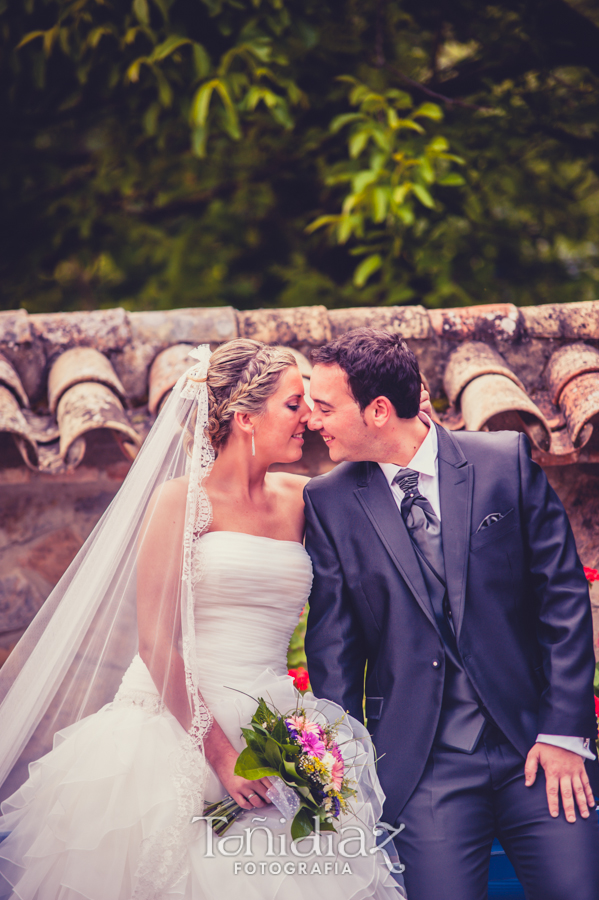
column 337, row 774
column 312, row 744
column 336, row 751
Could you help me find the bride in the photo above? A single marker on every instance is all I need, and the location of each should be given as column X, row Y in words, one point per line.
column 121, row 707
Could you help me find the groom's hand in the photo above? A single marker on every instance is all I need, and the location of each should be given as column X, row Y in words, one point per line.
column 565, row 773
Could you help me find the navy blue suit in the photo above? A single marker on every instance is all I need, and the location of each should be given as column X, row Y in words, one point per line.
column 522, row 621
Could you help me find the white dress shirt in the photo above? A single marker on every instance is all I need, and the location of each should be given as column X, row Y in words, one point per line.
column 425, row 462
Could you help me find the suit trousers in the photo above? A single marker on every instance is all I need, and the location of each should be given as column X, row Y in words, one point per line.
column 463, row 802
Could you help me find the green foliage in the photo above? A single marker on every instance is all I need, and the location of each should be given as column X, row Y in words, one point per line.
column 396, row 171
column 162, row 153
column 296, row 655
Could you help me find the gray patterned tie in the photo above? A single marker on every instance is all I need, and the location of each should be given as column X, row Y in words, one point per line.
column 421, row 521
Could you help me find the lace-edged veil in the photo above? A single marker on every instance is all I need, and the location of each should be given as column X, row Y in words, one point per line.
column 71, row 659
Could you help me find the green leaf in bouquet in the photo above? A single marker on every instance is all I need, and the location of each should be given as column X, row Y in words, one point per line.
column 302, row 825
column 272, row 753
column 290, row 770
column 280, row 733
column 596, row 681
column 250, row 766
column 264, row 716
column 253, row 741
column 327, row 826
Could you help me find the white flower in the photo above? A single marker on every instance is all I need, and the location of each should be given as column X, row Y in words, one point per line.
column 328, row 759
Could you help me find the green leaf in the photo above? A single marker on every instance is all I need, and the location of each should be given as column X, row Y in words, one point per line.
column 380, row 203
column 339, row 122
column 429, row 111
column 302, row 825
column 424, row 196
column 249, row 766
column 408, row 123
column 161, row 51
column 363, row 179
column 165, row 92
column 201, row 60
column 30, row 37
column 426, row 170
column 452, row 180
column 437, row 145
column 596, row 681
column 320, row 222
column 400, row 99
column 142, row 12
column 401, row 192
column 367, row 267
column 406, row 213
column 357, row 142
column 200, row 105
column 272, row 753
column 199, row 136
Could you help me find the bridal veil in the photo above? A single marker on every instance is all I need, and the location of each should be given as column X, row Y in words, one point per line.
column 71, row 659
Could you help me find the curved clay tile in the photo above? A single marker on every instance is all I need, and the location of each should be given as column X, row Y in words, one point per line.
column 573, row 379
column 471, row 360
column 10, row 379
column 490, row 396
column 81, row 364
column 13, row 422
column 89, row 406
column 165, row 371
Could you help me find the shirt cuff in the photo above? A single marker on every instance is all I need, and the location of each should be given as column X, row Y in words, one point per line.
column 574, row 744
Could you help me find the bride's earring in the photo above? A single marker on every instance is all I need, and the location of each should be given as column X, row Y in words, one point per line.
column 253, row 444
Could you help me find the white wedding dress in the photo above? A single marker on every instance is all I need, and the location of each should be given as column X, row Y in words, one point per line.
column 106, row 815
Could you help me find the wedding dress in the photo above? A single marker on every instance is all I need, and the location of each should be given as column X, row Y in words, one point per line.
column 109, row 809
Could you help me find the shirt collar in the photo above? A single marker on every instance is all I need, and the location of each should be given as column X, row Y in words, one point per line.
column 424, row 460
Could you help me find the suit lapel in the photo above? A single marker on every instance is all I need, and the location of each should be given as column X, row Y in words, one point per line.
column 379, row 505
column 455, row 495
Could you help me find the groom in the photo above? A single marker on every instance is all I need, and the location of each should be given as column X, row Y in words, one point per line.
column 447, row 583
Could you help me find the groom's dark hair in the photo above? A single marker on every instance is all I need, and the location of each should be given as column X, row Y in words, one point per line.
column 377, row 364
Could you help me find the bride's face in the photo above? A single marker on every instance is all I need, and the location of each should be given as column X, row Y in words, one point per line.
column 279, row 432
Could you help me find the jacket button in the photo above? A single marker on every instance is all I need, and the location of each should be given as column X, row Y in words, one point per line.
column 436, row 663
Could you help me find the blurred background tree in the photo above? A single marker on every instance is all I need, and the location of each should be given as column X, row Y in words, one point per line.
column 167, row 153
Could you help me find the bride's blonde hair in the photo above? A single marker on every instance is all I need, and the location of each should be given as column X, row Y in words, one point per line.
column 242, row 375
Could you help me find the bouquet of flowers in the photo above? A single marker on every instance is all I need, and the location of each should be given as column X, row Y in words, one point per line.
column 303, row 760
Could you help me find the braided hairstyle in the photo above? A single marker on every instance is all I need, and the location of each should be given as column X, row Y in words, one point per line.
column 242, row 375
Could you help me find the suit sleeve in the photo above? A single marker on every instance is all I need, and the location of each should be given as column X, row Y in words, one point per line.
column 334, row 642
column 561, row 594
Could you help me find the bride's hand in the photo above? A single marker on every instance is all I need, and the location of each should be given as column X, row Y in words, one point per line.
column 249, row 794
column 425, row 402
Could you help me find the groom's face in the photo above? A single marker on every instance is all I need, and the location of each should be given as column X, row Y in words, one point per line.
column 337, row 416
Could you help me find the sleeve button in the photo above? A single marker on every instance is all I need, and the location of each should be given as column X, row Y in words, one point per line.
column 436, row 663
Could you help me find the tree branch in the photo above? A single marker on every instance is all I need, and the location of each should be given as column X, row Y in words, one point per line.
column 449, row 101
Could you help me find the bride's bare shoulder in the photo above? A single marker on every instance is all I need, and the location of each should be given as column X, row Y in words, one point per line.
column 170, row 498
column 290, row 486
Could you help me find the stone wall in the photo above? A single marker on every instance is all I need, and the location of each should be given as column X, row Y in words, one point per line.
column 44, row 518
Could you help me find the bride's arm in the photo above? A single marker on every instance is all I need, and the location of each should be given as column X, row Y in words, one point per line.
column 159, row 566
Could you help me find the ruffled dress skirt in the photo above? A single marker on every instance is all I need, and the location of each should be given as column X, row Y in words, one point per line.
column 107, row 813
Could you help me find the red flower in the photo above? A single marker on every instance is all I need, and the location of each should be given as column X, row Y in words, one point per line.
column 301, row 679
column 597, row 706
column 591, row 574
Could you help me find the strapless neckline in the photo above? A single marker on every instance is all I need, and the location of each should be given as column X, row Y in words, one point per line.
column 258, row 537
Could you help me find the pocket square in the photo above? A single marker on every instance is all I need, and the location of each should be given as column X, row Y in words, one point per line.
column 489, row 520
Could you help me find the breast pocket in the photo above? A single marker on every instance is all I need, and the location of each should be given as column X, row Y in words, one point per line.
column 495, row 531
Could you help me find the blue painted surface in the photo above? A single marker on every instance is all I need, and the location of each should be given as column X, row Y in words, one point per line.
column 503, row 883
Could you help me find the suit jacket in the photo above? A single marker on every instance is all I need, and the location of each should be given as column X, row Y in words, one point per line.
column 517, row 590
